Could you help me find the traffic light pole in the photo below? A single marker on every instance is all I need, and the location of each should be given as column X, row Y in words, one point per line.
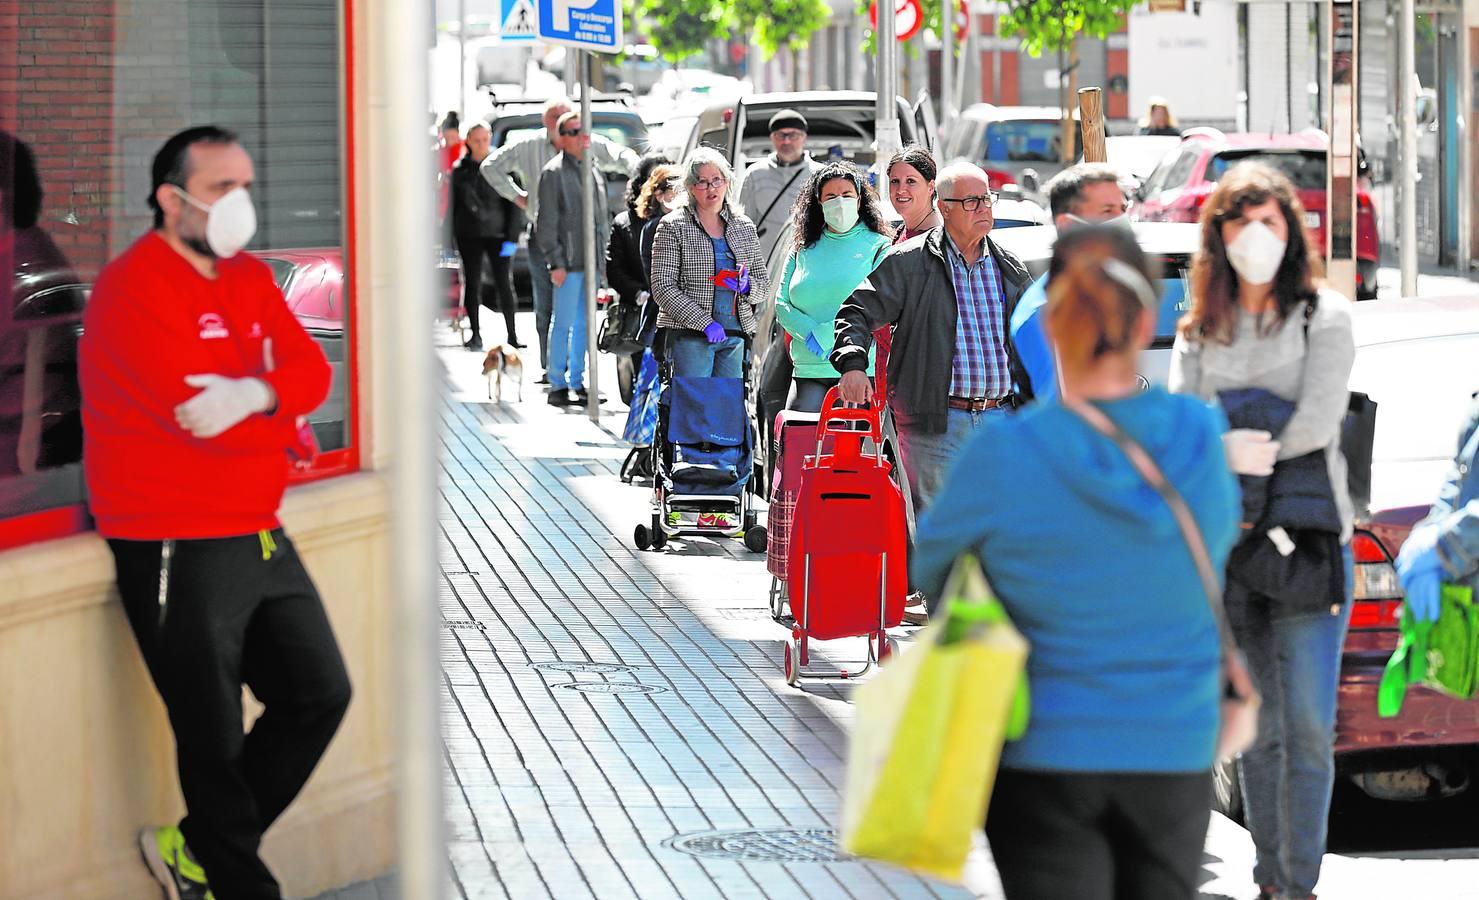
column 886, row 130
column 588, row 233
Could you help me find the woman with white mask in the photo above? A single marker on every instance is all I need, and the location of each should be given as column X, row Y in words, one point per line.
column 1276, row 348
column 840, row 236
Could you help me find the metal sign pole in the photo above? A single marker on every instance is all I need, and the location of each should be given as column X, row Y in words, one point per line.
column 947, row 66
column 1407, row 146
column 1340, row 193
column 886, row 129
column 588, row 232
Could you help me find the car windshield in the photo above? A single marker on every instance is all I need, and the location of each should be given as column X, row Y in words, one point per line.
column 282, row 270
column 1027, row 141
column 620, row 133
column 1306, row 168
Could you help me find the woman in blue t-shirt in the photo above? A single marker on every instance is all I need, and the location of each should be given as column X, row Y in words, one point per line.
column 1107, row 793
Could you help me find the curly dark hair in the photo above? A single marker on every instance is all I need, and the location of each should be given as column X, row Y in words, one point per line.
column 806, row 215
column 1214, row 284
column 649, row 161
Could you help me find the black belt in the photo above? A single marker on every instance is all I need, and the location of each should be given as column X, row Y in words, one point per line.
column 980, row 404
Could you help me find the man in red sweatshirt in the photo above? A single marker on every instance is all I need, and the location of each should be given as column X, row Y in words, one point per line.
column 193, row 373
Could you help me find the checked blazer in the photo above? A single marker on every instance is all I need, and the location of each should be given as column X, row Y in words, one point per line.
column 683, row 269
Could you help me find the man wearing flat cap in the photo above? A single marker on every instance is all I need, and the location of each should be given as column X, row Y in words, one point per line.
column 772, row 184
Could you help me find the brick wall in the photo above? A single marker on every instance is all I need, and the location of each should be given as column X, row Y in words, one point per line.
column 56, row 95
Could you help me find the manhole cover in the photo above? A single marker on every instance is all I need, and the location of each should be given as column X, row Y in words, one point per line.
column 463, row 625
column 596, row 667
column 762, row 845
column 611, row 687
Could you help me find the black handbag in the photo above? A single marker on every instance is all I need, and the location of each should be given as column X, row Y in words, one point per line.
column 621, row 329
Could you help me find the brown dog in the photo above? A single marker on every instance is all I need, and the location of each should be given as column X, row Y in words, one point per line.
column 503, row 361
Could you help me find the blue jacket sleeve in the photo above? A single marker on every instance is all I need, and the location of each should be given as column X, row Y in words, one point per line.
column 1455, row 519
column 957, row 520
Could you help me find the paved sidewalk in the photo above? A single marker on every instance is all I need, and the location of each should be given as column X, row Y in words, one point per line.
column 617, row 723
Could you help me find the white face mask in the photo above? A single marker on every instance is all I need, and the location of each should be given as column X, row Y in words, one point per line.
column 840, row 213
column 1257, row 253
column 230, row 222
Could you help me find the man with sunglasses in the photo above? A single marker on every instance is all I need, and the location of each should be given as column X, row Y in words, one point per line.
column 949, row 294
column 772, row 185
column 513, row 170
column 559, row 236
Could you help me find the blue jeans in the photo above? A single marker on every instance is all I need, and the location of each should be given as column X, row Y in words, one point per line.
column 567, row 336
column 927, row 457
column 1288, row 774
column 544, row 298
column 694, row 357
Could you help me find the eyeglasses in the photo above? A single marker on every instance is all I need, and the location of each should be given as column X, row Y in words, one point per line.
column 564, row 133
column 971, row 204
column 789, row 135
column 711, row 184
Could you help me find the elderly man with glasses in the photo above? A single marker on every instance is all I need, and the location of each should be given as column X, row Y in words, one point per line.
column 948, row 294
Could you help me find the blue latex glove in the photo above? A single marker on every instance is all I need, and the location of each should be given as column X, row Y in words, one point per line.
column 815, row 346
column 509, row 248
column 740, row 285
column 714, row 332
column 1420, row 571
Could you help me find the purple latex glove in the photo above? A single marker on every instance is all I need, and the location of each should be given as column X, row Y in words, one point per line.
column 714, row 332
column 740, row 285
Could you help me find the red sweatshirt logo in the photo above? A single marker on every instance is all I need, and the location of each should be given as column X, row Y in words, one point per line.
column 213, row 327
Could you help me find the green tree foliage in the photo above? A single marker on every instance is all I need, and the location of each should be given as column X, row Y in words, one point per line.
column 787, row 24
column 1056, row 24
column 683, row 28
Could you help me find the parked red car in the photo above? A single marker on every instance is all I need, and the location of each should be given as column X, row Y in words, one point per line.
column 312, row 281
column 1181, row 184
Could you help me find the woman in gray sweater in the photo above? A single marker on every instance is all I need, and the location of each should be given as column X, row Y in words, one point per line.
column 1260, row 327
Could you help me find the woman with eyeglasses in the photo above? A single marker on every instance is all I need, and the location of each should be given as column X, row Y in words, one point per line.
column 707, row 273
column 839, row 238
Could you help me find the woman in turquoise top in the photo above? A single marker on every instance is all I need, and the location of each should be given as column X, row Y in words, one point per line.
column 840, row 239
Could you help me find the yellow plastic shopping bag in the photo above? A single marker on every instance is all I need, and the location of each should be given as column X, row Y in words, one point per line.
column 928, row 734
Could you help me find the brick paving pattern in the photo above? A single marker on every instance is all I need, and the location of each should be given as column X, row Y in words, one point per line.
column 575, row 783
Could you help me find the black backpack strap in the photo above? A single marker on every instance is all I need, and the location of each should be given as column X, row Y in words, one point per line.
column 760, row 222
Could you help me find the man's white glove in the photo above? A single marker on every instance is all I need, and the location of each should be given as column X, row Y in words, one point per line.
column 1250, row 452
column 222, row 403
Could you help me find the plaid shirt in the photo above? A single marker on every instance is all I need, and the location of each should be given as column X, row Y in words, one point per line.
column 981, row 367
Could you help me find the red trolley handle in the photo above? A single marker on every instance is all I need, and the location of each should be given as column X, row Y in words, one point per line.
column 870, row 415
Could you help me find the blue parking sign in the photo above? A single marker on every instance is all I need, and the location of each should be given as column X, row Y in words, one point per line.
column 586, row 24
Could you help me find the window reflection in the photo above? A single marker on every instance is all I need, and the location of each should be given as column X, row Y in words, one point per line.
column 40, row 316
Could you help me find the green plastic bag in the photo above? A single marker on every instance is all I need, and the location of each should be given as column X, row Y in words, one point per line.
column 1442, row 654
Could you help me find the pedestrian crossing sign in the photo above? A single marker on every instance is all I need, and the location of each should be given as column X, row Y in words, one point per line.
column 519, row 22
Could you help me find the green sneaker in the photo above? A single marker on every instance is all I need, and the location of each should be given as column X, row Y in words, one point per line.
column 675, row 519
column 180, row 876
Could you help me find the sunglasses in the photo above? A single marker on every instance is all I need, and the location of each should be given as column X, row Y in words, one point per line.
column 564, row 133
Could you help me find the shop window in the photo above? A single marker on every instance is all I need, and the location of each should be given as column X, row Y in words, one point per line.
column 85, row 102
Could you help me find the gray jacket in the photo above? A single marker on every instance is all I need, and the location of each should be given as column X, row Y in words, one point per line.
column 1453, row 517
column 523, row 159
column 558, row 231
column 772, row 188
column 1313, row 370
column 912, row 290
